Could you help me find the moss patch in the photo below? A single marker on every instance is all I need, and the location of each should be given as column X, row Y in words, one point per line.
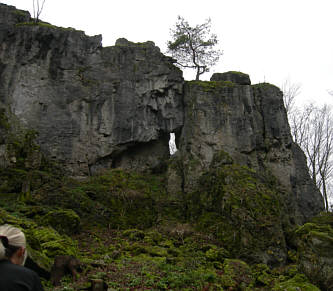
column 43, row 24
column 242, row 211
column 44, row 243
column 265, row 86
column 314, row 242
column 65, row 221
column 208, row 86
column 299, row 282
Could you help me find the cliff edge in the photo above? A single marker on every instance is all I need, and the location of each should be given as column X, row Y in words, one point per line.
column 94, row 108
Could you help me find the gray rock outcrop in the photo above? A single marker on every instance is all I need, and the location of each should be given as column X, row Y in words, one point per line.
column 90, row 105
column 97, row 107
column 232, row 76
column 250, row 124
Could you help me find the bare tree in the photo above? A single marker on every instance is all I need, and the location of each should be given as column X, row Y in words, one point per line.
column 290, row 92
column 312, row 130
column 38, row 6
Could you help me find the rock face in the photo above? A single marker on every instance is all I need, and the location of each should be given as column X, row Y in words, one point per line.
column 234, row 77
column 250, row 124
column 90, row 105
column 95, row 108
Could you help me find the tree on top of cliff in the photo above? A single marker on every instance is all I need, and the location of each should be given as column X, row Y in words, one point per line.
column 37, row 8
column 193, row 47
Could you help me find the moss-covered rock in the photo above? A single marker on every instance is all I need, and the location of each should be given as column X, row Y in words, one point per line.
column 157, row 251
column 48, row 241
column 134, row 234
column 314, row 241
column 216, row 254
column 297, row 283
column 65, row 221
column 324, row 218
column 43, row 243
column 209, row 86
column 232, row 76
column 236, row 275
column 243, row 211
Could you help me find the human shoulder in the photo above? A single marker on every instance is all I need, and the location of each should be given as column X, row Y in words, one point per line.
column 8, row 265
column 30, row 276
column 19, row 271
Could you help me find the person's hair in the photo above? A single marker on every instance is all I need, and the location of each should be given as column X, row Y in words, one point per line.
column 11, row 239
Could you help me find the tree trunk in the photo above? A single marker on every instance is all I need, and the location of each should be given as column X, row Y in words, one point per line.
column 198, row 74
column 325, row 195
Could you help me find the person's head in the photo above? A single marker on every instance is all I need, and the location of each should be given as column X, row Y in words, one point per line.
column 12, row 244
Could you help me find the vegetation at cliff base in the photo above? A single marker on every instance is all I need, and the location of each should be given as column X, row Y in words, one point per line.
column 125, row 229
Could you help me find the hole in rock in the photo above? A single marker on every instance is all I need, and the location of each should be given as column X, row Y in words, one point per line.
column 172, row 143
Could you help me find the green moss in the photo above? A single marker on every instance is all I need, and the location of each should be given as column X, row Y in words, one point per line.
column 20, row 12
column 4, row 122
column 308, row 228
column 22, row 146
column 216, row 254
column 235, row 204
column 208, row 86
column 134, row 234
column 43, row 243
column 154, row 237
column 314, row 242
column 265, row 86
column 157, row 251
column 324, row 218
column 49, row 242
column 33, row 23
column 65, row 221
column 238, row 73
column 221, row 158
column 323, row 236
column 43, row 24
column 126, row 43
column 11, row 180
column 292, row 255
column 236, row 274
column 299, row 282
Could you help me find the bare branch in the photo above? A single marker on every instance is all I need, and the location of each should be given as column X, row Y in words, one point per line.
column 312, row 130
column 37, row 8
column 290, row 92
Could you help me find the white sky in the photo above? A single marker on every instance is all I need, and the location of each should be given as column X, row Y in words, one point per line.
column 271, row 40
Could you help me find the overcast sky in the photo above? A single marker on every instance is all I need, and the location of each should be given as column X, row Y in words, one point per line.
column 271, row 40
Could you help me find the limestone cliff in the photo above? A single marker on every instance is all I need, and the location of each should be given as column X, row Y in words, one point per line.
column 250, row 124
column 97, row 107
column 90, row 105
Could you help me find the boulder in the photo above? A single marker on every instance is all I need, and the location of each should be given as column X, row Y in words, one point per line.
column 314, row 242
column 232, row 76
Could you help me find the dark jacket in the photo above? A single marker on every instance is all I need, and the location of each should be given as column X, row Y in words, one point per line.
column 17, row 278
